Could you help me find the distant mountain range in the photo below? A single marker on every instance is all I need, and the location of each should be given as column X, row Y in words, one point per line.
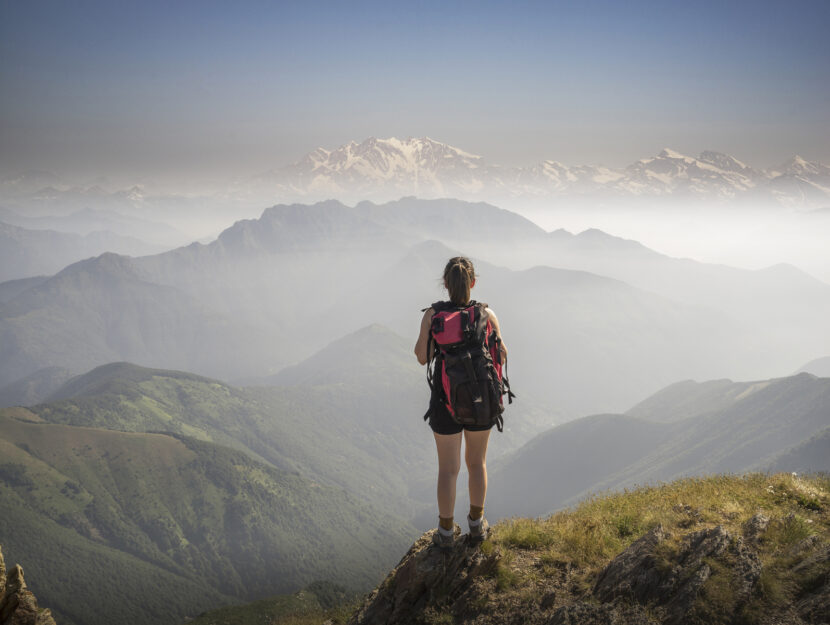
column 612, row 320
column 389, row 168
column 386, row 169
column 25, row 252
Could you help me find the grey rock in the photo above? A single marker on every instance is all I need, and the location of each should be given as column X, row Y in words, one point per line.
column 755, row 527
column 815, row 606
column 18, row 605
column 637, row 574
column 425, row 577
column 634, row 573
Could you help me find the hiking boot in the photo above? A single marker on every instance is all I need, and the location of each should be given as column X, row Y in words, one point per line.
column 478, row 531
column 443, row 541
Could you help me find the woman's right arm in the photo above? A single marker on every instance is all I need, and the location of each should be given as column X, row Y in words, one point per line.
column 422, row 346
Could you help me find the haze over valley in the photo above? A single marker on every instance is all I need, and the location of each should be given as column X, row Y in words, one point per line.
column 219, row 229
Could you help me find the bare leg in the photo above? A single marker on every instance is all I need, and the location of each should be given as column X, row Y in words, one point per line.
column 475, row 451
column 449, row 463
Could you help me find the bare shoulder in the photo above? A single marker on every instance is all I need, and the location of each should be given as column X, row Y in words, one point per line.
column 427, row 318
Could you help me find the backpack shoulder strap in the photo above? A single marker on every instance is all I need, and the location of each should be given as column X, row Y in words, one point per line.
column 441, row 306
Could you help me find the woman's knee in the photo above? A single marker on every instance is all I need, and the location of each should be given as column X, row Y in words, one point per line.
column 477, row 465
column 449, row 469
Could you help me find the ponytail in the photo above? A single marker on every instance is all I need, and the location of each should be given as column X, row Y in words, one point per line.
column 458, row 278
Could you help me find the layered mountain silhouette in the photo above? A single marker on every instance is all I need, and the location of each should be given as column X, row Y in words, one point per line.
column 687, row 429
column 269, row 292
column 25, row 253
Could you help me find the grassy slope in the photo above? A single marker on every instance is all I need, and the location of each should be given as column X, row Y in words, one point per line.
column 584, row 539
column 336, row 434
column 188, row 510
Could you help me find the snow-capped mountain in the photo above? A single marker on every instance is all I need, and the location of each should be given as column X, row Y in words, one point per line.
column 711, row 175
column 381, row 169
column 408, row 166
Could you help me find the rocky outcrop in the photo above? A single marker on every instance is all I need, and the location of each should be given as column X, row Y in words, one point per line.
column 672, row 580
column 18, row 605
column 424, row 580
column 707, row 576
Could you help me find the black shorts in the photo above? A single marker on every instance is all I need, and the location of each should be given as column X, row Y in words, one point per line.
column 442, row 422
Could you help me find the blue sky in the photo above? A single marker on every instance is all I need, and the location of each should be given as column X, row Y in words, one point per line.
column 215, row 88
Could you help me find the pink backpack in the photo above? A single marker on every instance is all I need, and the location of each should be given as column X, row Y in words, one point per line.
column 466, row 373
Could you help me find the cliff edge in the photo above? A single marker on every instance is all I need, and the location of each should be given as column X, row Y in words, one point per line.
column 18, row 605
column 724, row 549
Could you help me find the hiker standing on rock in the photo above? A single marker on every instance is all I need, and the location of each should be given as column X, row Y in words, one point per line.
column 460, row 342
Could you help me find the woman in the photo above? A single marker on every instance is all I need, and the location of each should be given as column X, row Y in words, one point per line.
column 459, row 278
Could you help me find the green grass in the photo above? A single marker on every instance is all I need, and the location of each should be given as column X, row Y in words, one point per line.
column 204, row 515
column 585, row 538
column 295, row 429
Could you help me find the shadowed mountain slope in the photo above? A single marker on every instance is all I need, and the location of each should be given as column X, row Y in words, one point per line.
column 346, row 436
column 738, row 428
column 130, row 511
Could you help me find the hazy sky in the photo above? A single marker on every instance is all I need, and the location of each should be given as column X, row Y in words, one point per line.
column 213, row 88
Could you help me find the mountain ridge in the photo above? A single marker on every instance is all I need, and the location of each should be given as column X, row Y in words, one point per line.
column 377, row 167
column 685, row 429
column 717, row 549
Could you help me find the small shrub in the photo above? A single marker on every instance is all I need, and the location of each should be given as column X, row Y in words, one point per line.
column 627, row 525
column 811, row 503
column 505, row 576
column 788, row 531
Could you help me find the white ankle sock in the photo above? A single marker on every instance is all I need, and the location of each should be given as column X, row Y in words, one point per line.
column 445, row 532
column 472, row 523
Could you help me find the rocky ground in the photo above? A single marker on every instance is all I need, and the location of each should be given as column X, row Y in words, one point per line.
column 18, row 605
column 721, row 550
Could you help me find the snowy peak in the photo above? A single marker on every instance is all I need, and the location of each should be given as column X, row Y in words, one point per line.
column 805, row 169
column 387, row 169
column 382, row 167
column 713, row 175
column 726, row 162
column 672, row 154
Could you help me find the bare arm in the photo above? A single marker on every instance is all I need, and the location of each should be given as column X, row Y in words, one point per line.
column 422, row 346
column 495, row 321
